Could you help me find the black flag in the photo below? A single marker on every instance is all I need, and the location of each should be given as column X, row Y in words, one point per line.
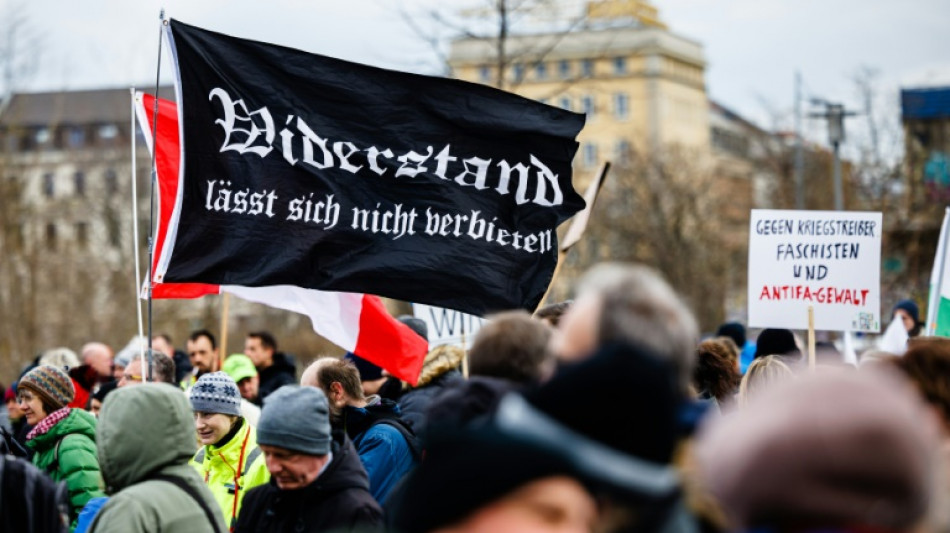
column 304, row 170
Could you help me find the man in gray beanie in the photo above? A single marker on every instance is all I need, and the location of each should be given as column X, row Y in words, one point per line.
column 317, row 480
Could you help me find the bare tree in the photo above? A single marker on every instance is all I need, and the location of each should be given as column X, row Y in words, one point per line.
column 663, row 210
column 514, row 32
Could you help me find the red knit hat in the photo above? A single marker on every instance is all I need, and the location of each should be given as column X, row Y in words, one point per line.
column 51, row 383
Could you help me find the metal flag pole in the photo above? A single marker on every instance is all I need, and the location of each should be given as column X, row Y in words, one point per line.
column 933, row 306
column 151, row 196
column 135, row 226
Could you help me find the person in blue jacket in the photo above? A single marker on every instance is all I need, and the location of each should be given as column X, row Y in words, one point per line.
column 386, row 445
column 736, row 332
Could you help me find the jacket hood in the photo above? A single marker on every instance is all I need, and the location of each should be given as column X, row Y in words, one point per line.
column 143, row 429
column 76, row 422
column 356, row 420
column 438, row 362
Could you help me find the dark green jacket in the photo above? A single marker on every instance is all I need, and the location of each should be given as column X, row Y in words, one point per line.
column 143, row 431
column 78, row 464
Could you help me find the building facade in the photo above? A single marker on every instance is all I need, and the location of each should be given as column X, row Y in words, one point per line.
column 640, row 85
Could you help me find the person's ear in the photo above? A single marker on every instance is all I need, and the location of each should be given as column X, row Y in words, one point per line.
column 336, row 392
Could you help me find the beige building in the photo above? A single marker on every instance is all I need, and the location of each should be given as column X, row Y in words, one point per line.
column 640, row 85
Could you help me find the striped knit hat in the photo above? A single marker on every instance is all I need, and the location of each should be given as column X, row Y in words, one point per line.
column 216, row 392
column 51, row 383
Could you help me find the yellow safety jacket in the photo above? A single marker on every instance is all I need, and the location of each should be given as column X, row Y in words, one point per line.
column 232, row 470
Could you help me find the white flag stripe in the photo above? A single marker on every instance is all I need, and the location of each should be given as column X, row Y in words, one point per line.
column 335, row 315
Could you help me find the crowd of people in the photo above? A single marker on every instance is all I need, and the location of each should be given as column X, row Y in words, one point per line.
column 610, row 412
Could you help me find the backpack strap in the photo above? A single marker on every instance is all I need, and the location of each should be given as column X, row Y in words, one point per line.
column 410, row 437
column 200, row 456
column 188, row 489
column 54, row 464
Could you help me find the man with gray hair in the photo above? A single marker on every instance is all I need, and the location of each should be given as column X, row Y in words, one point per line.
column 317, row 481
column 628, row 303
column 163, row 369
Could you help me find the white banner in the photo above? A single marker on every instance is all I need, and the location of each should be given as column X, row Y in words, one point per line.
column 827, row 259
column 447, row 326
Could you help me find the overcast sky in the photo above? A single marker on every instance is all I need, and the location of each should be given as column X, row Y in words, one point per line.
column 753, row 47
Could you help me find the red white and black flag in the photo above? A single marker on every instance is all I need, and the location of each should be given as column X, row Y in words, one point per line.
column 358, row 323
column 303, row 170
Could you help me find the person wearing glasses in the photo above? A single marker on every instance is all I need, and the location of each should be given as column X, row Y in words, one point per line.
column 63, row 439
column 163, row 370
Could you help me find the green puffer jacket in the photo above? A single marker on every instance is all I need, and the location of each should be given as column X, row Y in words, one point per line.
column 77, row 464
column 144, row 431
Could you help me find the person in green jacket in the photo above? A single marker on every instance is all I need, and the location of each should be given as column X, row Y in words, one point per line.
column 146, row 437
column 230, row 462
column 63, row 439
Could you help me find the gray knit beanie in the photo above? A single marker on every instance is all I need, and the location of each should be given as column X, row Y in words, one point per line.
column 296, row 418
column 216, row 393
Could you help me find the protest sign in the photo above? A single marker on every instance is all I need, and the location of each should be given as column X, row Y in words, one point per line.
column 309, row 171
column 830, row 260
column 447, row 326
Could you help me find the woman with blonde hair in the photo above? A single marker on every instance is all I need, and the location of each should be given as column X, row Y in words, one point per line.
column 764, row 373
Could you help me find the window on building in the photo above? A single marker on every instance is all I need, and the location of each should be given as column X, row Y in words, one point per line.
column 590, row 155
column 564, row 69
column 620, row 65
column 108, row 132
column 115, row 232
column 51, row 236
column 484, row 74
column 11, row 141
column 621, row 106
column 623, row 150
column 564, row 102
column 42, row 136
column 587, row 68
column 48, row 185
column 587, row 105
column 517, row 72
column 82, row 234
column 79, row 183
column 541, row 71
column 15, row 236
column 76, row 137
column 112, row 182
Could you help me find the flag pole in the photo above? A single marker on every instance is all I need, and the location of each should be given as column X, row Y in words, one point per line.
column 225, row 303
column 811, row 338
column 933, row 306
column 578, row 225
column 135, row 227
column 561, row 254
column 464, row 350
column 152, row 182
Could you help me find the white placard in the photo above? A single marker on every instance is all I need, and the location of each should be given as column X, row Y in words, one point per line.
column 447, row 326
column 827, row 259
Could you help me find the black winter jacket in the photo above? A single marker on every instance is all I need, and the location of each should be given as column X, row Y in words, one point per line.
column 282, row 372
column 414, row 405
column 338, row 500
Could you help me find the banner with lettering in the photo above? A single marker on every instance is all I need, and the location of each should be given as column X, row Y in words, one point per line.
column 304, row 170
column 827, row 259
column 447, row 326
